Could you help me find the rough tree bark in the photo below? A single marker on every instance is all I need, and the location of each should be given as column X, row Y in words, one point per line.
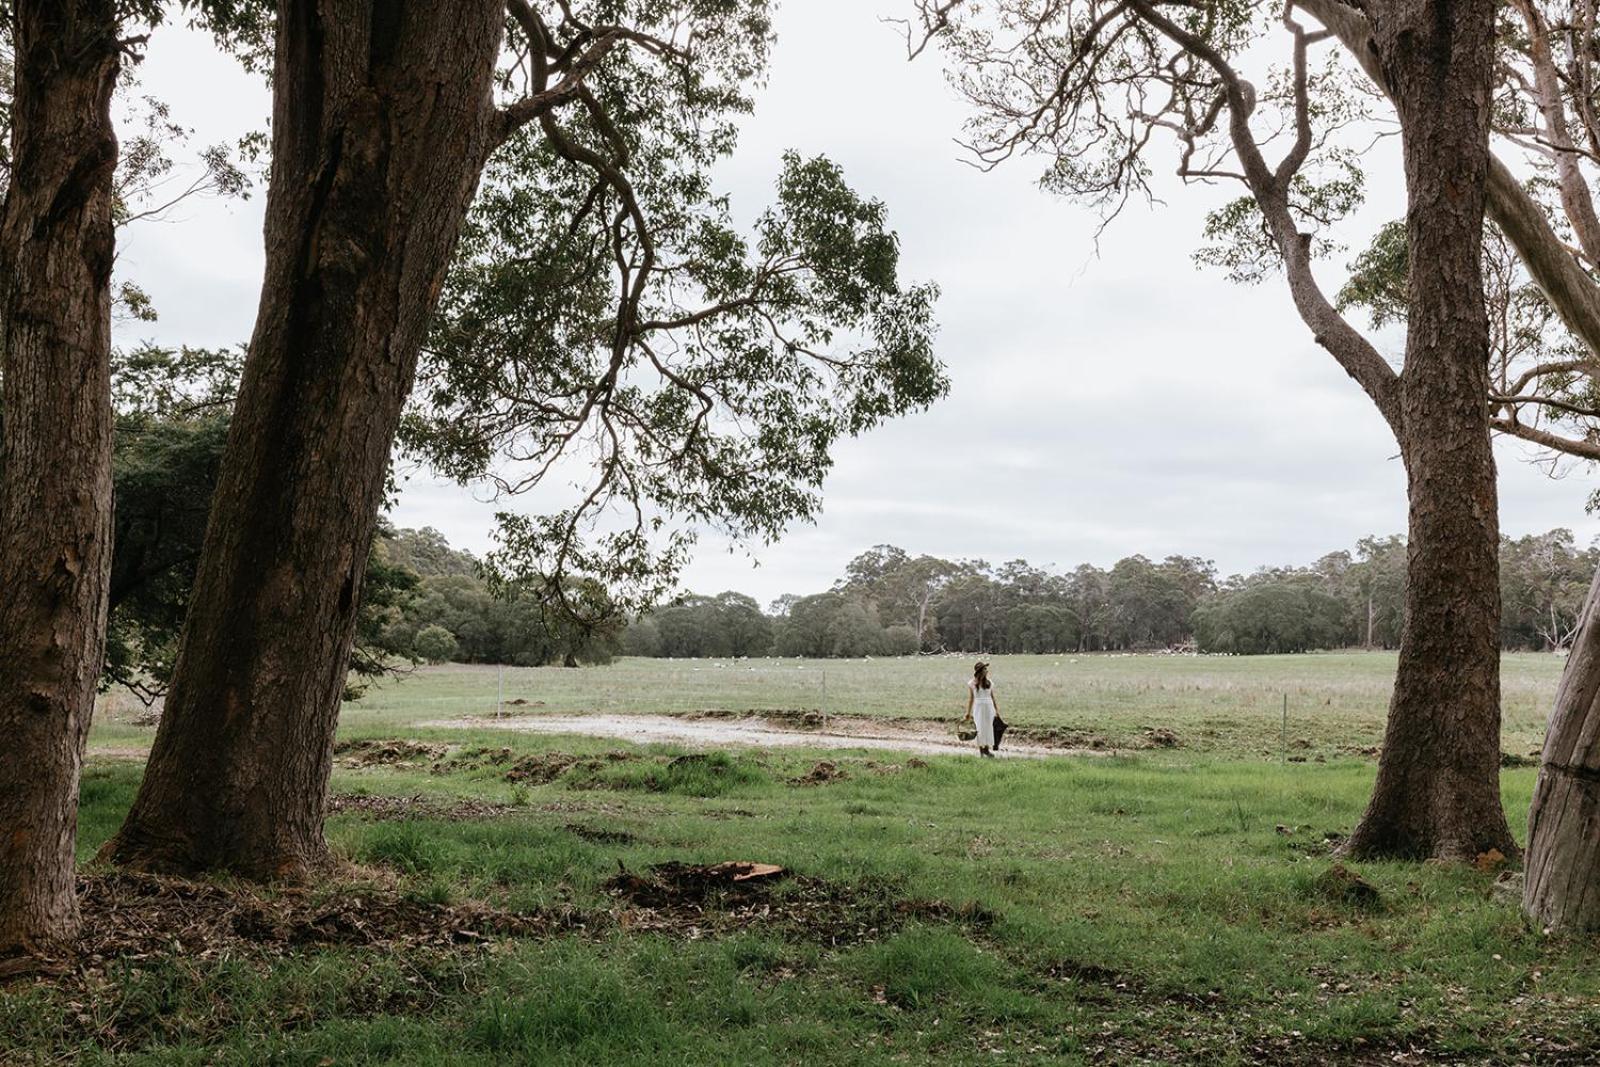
column 1437, row 793
column 382, row 120
column 56, row 245
column 1563, row 861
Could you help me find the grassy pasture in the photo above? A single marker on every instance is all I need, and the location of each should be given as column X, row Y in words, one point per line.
column 1336, row 701
column 1159, row 906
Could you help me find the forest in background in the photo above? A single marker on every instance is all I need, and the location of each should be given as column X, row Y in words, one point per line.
column 431, row 604
column 889, row 602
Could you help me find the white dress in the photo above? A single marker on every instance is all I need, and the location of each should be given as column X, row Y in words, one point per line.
column 983, row 713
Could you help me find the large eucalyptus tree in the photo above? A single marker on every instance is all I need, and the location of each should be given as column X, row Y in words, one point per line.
column 56, row 248
column 1547, row 122
column 604, row 319
column 1093, row 84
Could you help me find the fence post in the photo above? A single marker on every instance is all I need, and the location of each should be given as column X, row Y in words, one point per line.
column 824, row 699
column 1283, row 733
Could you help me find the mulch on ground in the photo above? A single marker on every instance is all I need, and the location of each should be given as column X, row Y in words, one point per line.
column 128, row 915
column 701, row 900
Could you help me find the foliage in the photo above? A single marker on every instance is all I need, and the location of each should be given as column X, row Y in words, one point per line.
column 434, row 644
column 173, row 409
column 1270, row 617
column 1343, row 600
column 830, row 624
column 489, row 628
column 428, row 554
column 1544, row 581
column 730, row 624
column 606, row 318
column 1542, row 378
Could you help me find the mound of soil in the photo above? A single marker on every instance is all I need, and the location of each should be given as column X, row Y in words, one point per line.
column 825, row 771
column 541, row 768
column 385, row 808
column 473, row 759
column 1161, row 737
column 386, row 753
column 1340, row 885
column 1056, row 737
column 699, row 900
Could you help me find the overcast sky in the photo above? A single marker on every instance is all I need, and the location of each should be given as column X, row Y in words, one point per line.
column 1102, row 403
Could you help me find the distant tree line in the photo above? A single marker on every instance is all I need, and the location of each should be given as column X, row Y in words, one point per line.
column 890, row 603
column 451, row 614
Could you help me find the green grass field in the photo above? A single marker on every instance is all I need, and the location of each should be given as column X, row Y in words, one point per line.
column 1220, row 704
column 1167, row 906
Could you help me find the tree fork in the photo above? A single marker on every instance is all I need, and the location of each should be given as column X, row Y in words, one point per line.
column 56, row 250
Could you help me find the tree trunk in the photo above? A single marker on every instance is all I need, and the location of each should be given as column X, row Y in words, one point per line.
column 1438, row 787
column 1563, row 862
column 382, row 119
column 56, row 245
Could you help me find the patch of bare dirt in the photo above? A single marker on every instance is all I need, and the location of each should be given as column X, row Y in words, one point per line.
column 1161, row 737
column 825, row 771
column 600, row 835
column 791, row 718
column 386, row 753
column 474, row 759
column 923, row 737
column 418, row 806
column 1340, row 885
column 134, row 915
column 541, row 768
column 538, row 768
column 1059, row 737
column 1098, row 983
column 694, row 900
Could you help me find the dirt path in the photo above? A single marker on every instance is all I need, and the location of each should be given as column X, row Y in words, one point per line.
column 841, row 733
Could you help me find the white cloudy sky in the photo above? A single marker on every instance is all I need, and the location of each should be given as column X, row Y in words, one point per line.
column 1102, row 403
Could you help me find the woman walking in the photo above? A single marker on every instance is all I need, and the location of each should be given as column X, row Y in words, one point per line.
column 981, row 708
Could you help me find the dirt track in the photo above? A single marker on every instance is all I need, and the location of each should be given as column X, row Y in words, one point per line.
column 840, row 733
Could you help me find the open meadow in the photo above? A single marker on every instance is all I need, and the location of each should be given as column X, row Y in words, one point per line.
column 1232, row 705
column 520, row 898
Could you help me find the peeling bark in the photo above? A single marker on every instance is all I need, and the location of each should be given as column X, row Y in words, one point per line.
column 1563, row 861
